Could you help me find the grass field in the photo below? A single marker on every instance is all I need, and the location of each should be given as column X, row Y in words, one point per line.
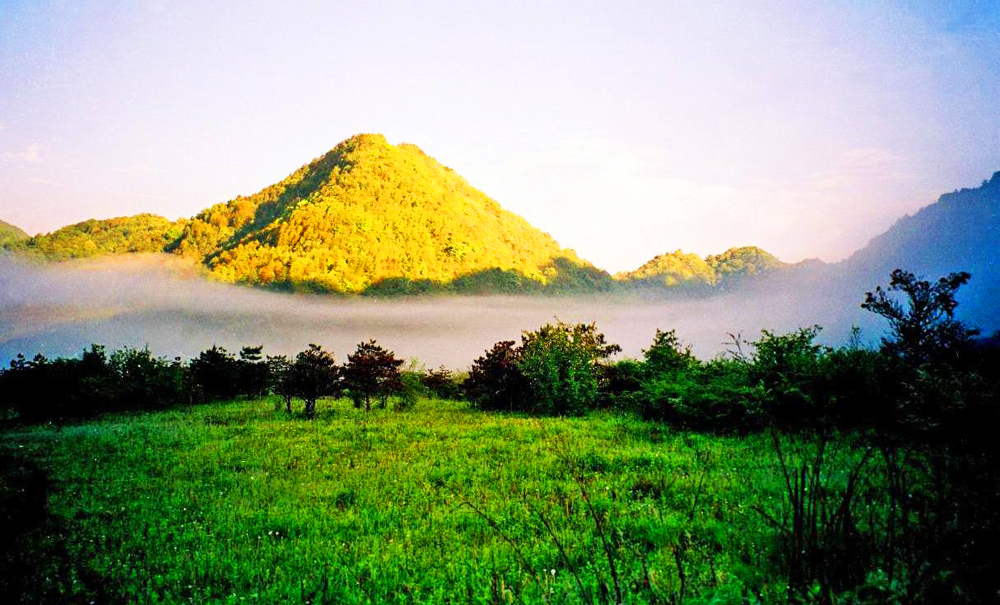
column 238, row 503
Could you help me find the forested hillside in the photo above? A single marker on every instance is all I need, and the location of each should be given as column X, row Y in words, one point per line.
column 690, row 273
column 373, row 216
column 122, row 235
column 9, row 233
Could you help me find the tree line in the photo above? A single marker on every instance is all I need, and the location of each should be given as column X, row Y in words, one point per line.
column 129, row 379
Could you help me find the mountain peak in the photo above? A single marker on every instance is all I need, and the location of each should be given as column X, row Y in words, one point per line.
column 369, row 215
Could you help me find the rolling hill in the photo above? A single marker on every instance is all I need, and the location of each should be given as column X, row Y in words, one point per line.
column 121, row 235
column 10, row 233
column 683, row 272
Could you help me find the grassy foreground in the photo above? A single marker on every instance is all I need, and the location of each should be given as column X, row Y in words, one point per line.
column 238, row 503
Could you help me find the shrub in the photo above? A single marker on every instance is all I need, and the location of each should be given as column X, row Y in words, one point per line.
column 253, row 372
column 789, row 366
column 562, row 364
column 667, row 355
column 442, row 383
column 716, row 396
column 495, row 381
column 145, row 381
column 279, row 373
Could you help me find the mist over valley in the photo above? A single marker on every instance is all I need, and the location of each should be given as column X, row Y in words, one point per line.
column 155, row 300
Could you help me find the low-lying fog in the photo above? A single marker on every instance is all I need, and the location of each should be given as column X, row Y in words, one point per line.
column 58, row 310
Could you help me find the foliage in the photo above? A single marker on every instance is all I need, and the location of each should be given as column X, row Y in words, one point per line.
column 370, row 507
column 495, row 380
column 314, row 374
column 562, row 365
column 557, row 369
column 685, row 272
column 254, row 373
column 676, row 270
column 737, row 264
column 372, row 373
column 442, row 383
column 370, row 216
column 279, row 371
column 130, row 379
column 217, row 373
column 925, row 330
column 10, row 234
column 122, row 235
column 789, row 368
column 667, row 355
column 878, row 479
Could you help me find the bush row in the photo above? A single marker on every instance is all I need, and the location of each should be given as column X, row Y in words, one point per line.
column 128, row 379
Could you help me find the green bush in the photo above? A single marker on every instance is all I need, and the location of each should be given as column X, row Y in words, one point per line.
column 716, row 396
column 562, row 365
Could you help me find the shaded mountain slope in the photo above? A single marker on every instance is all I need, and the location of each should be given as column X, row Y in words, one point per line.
column 959, row 232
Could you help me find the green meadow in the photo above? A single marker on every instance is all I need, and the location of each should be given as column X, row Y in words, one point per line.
column 235, row 502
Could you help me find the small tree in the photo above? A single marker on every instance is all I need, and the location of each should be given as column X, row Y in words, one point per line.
column 495, row 381
column 925, row 329
column 216, row 372
column 372, row 372
column 253, row 371
column 279, row 372
column 667, row 354
column 313, row 375
column 441, row 382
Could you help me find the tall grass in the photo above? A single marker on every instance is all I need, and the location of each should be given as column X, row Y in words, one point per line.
column 235, row 502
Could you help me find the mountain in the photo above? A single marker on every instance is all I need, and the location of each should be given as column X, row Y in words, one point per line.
column 122, row 235
column 684, row 272
column 373, row 217
column 10, row 234
column 959, row 232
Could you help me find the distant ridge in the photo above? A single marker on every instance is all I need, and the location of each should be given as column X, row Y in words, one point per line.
column 93, row 237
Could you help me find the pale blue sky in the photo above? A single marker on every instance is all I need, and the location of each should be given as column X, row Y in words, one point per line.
column 624, row 129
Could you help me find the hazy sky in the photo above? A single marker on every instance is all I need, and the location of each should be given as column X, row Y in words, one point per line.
column 624, row 129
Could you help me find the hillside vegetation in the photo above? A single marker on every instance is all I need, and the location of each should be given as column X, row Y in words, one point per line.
column 373, row 217
column 10, row 233
column 370, row 215
column 121, row 235
column 689, row 272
